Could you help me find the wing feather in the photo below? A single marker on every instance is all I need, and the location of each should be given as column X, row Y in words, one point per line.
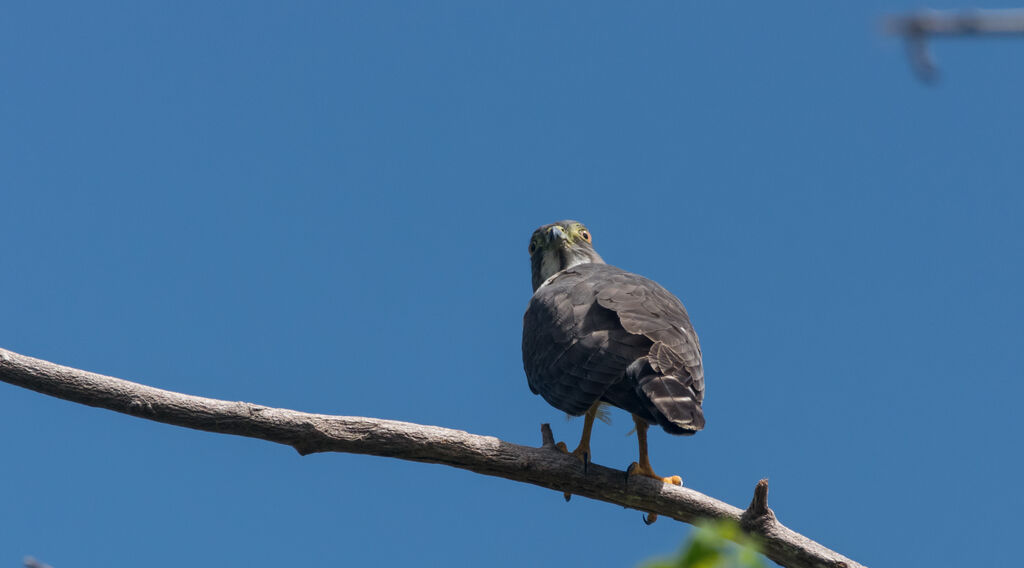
column 596, row 332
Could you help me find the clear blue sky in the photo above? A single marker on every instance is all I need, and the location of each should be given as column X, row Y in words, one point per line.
column 326, row 206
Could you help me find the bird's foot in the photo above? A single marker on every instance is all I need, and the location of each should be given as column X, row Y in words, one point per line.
column 582, row 453
column 636, row 469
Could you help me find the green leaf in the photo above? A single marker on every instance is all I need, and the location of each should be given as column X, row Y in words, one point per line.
column 712, row 545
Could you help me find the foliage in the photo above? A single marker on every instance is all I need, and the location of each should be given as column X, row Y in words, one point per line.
column 715, row 544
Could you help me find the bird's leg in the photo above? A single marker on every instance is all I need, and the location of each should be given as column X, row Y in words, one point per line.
column 643, row 465
column 582, row 451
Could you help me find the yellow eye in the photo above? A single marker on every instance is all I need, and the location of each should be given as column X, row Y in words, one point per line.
column 585, row 234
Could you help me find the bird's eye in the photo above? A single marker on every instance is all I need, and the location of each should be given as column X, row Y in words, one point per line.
column 585, row 234
column 533, row 248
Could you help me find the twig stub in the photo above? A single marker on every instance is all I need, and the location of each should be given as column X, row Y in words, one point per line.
column 758, row 512
column 546, row 436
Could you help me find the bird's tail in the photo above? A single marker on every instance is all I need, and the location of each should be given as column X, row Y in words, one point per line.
column 670, row 399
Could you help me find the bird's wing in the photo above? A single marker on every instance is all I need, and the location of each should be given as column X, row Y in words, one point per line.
column 674, row 384
column 573, row 348
column 646, row 308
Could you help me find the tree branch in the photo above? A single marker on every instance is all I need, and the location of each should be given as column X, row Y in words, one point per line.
column 917, row 27
column 31, row 562
column 310, row 433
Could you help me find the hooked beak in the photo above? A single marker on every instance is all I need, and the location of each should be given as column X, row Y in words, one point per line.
column 556, row 232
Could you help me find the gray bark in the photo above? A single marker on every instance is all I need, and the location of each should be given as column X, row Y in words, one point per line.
column 917, row 27
column 311, row 433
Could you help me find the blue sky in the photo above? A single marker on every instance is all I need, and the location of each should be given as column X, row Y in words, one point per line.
column 326, row 206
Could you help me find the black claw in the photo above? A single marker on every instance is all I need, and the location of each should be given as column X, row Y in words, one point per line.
column 649, row 519
column 586, row 461
column 567, row 497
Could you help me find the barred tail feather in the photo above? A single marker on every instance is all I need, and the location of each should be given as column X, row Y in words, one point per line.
column 670, row 400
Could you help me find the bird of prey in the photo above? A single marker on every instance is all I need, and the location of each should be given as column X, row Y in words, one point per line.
column 595, row 334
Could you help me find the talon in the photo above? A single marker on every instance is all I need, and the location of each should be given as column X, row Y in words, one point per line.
column 637, row 469
column 582, row 453
column 560, row 446
column 650, row 518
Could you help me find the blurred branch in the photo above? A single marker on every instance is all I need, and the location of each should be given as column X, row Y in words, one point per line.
column 31, row 562
column 916, row 28
column 311, row 433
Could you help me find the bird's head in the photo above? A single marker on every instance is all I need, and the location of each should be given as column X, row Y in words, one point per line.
column 558, row 246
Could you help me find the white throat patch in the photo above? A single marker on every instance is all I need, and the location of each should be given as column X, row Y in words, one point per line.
column 551, row 264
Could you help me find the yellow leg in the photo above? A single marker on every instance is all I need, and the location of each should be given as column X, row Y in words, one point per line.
column 582, row 451
column 643, row 465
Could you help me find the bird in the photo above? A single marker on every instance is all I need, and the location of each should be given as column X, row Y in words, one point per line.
column 595, row 335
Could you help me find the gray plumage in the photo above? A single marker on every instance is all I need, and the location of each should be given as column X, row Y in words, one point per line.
column 593, row 332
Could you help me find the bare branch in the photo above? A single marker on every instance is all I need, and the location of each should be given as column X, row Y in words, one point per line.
column 958, row 23
column 310, row 433
column 917, row 27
